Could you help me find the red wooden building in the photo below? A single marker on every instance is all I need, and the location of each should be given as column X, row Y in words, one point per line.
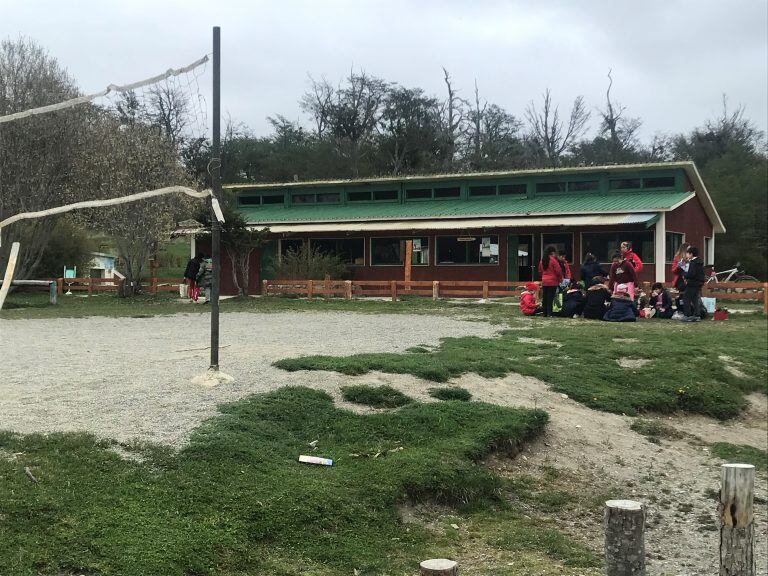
column 483, row 226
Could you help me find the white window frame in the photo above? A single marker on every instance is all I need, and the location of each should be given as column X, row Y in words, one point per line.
column 683, row 242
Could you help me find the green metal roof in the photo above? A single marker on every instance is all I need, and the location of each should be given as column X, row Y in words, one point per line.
column 496, row 206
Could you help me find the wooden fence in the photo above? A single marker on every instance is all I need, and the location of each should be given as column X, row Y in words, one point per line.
column 393, row 288
column 95, row 285
column 730, row 291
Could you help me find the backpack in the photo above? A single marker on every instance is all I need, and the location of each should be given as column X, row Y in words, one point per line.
column 557, row 303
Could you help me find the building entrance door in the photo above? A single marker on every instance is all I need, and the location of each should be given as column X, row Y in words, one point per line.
column 519, row 257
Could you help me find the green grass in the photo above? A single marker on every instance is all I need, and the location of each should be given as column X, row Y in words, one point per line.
column 655, row 430
column 235, row 501
column 374, row 396
column 579, row 358
column 740, row 454
column 451, row 393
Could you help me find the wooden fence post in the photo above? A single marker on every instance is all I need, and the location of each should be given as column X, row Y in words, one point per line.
column 310, row 287
column 439, row 567
column 737, row 527
column 265, row 287
column 348, row 289
column 53, row 291
column 60, row 285
column 393, row 289
column 765, row 298
column 435, row 290
column 624, row 523
column 90, row 286
column 485, row 291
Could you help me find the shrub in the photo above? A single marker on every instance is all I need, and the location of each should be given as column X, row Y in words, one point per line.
column 451, row 393
column 309, row 263
column 374, row 396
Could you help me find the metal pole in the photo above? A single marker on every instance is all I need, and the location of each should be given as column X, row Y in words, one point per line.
column 216, row 193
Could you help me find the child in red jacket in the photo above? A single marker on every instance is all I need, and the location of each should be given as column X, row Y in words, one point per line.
column 528, row 305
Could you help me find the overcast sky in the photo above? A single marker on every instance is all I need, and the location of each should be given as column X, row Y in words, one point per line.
column 672, row 60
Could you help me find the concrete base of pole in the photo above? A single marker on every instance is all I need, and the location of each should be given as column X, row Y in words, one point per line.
column 439, row 567
column 212, row 378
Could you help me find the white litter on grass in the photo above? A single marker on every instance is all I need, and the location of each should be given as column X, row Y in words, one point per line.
column 540, row 341
column 534, row 358
column 632, row 362
column 626, row 340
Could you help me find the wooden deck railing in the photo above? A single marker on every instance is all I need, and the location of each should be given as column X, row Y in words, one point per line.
column 393, row 288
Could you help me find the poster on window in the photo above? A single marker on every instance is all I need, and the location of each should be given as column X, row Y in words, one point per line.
column 485, row 247
column 416, row 244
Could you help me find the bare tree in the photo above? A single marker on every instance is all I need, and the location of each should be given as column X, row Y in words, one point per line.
column 549, row 133
column 318, row 103
column 476, row 117
column 620, row 131
column 168, row 108
column 452, row 112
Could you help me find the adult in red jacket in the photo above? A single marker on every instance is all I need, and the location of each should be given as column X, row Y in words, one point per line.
column 551, row 276
column 628, row 254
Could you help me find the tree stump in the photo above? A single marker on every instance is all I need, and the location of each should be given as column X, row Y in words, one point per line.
column 439, row 567
column 624, row 522
column 737, row 528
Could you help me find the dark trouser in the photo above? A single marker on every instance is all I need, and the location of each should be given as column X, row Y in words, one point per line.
column 549, row 297
column 692, row 301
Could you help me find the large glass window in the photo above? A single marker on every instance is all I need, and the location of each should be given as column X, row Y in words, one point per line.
column 624, row 184
column 385, row 195
column 391, row 251
column 549, row 187
column 561, row 242
column 453, row 192
column 418, row 194
column 350, row 250
column 468, row 249
column 290, row 245
column 674, row 241
column 475, row 191
column 604, row 244
column 359, row 196
column 660, row 182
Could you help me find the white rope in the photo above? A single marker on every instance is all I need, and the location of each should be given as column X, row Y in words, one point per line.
column 102, row 203
column 110, row 88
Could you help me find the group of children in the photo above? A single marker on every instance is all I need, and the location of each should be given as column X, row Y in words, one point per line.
column 614, row 296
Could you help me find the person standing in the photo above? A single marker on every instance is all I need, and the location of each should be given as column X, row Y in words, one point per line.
column 679, row 264
column 190, row 276
column 694, row 280
column 551, row 276
column 590, row 269
column 636, row 263
column 205, row 278
column 623, row 272
column 566, row 268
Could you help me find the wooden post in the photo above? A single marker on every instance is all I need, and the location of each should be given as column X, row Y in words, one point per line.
column 310, row 286
column 737, row 528
column 624, row 523
column 264, row 287
column 60, row 285
column 153, row 285
column 348, row 289
column 52, row 292
column 393, row 289
column 90, row 286
column 439, row 567
column 765, row 298
column 485, row 291
column 408, row 252
column 435, row 290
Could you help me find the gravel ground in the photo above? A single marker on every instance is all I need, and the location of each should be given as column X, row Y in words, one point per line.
column 127, row 378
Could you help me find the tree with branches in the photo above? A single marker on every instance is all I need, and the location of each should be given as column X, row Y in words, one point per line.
column 549, row 133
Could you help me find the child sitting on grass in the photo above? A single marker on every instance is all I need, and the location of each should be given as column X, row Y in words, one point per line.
column 573, row 301
column 622, row 308
column 528, row 305
column 598, row 296
column 661, row 301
